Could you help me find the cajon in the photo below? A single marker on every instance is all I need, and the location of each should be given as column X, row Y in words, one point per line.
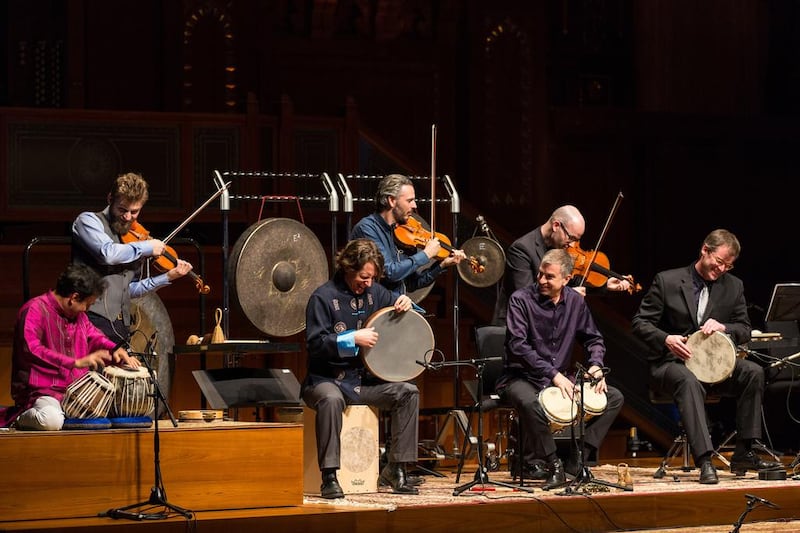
column 360, row 453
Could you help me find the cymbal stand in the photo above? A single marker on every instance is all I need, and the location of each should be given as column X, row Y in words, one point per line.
column 481, row 474
column 158, row 495
column 584, row 475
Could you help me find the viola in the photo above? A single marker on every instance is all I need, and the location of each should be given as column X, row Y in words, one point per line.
column 167, row 260
column 594, row 267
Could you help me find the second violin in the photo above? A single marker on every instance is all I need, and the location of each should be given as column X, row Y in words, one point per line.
column 594, row 267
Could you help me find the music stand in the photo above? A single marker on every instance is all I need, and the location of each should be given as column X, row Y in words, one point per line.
column 481, row 474
column 158, row 495
column 584, row 475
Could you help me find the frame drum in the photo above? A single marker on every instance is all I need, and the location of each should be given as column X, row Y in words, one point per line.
column 713, row 356
column 404, row 339
column 561, row 411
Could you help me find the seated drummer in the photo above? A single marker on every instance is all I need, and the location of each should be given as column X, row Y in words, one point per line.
column 55, row 344
column 335, row 318
column 544, row 320
column 703, row 296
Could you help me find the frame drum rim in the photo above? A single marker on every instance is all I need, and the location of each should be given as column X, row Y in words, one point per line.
column 407, row 332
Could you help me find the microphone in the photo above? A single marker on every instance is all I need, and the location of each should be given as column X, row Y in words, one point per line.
column 751, row 499
column 120, row 344
column 484, row 227
column 149, row 347
column 782, row 362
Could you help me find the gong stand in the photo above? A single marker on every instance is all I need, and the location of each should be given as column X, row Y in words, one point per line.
column 220, row 178
column 149, row 509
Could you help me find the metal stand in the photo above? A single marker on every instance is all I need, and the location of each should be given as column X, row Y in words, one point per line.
column 158, row 495
column 481, row 474
column 584, row 475
column 752, row 503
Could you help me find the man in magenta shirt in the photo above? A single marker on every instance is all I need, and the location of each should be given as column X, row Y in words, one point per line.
column 54, row 345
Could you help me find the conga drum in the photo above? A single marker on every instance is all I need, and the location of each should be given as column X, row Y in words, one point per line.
column 89, row 396
column 403, row 339
column 561, row 412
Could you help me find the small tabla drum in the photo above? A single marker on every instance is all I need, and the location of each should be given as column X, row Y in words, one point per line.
column 713, row 356
column 89, row 396
column 561, row 412
column 134, row 391
column 403, row 339
column 594, row 403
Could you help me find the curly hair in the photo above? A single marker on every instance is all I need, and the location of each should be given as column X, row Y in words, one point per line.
column 358, row 253
column 130, row 187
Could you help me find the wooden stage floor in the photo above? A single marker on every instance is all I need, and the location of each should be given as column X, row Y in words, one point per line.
column 231, row 479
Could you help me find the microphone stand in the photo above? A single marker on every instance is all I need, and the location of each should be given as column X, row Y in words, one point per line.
column 481, row 474
column 752, row 502
column 584, row 475
column 158, row 495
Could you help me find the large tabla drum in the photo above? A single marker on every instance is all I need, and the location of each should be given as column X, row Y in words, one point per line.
column 403, row 339
column 275, row 265
column 134, row 391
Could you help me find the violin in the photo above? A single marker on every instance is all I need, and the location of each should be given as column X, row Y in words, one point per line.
column 167, row 260
column 594, row 267
column 413, row 234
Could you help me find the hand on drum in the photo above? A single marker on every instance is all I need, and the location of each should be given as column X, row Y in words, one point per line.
column 566, row 386
column 95, row 360
column 121, row 357
column 711, row 325
column 366, row 337
column 596, row 372
column 403, row 303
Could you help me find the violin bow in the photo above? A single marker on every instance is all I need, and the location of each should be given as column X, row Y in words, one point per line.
column 602, row 236
column 196, row 212
column 433, row 178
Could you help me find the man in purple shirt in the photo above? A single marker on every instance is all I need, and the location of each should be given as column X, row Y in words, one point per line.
column 54, row 345
column 544, row 321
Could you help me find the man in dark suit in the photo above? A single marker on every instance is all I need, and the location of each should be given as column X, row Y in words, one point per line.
column 666, row 317
column 564, row 228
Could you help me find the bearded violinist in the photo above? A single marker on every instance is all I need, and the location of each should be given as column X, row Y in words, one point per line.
column 97, row 242
column 395, row 201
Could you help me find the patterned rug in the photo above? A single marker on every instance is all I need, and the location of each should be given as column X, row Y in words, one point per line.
column 440, row 491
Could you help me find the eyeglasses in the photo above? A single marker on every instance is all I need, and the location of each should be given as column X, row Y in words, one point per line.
column 720, row 263
column 570, row 238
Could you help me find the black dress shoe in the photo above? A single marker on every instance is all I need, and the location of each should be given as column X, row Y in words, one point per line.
column 394, row 474
column 411, row 479
column 330, row 488
column 556, row 475
column 708, row 474
column 750, row 461
column 532, row 471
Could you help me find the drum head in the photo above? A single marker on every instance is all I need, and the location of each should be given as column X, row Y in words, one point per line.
column 556, row 407
column 149, row 315
column 593, row 402
column 275, row 266
column 403, row 339
column 713, row 356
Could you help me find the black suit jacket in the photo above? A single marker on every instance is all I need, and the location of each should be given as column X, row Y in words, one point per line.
column 669, row 308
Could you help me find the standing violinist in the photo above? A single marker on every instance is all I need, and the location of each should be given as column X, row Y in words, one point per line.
column 395, row 201
column 97, row 241
column 564, row 228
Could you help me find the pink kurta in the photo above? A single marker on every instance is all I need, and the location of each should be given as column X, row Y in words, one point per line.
column 46, row 345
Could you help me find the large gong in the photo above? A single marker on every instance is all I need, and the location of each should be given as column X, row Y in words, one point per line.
column 148, row 316
column 275, row 265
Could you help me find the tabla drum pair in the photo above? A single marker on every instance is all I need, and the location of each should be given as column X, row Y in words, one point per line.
column 563, row 412
column 118, row 392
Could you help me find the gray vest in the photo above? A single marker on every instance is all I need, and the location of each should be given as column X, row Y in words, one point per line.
column 115, row 302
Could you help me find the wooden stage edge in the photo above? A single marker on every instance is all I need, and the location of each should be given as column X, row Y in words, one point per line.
column 247, row 477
